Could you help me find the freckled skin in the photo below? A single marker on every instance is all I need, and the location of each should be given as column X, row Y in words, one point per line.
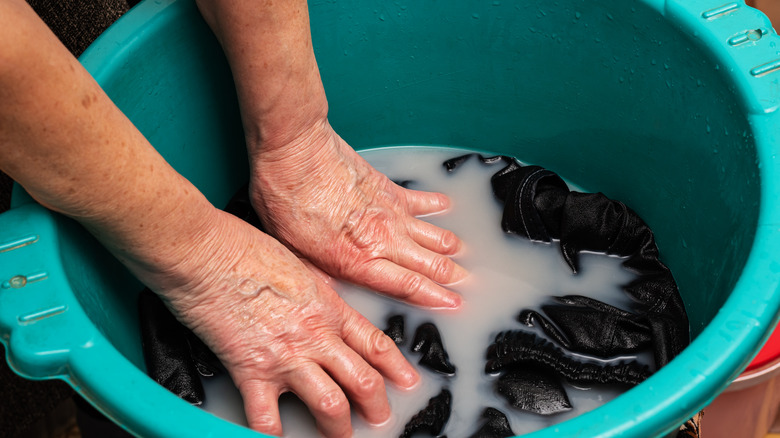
column 63, row 139
column 368, row 221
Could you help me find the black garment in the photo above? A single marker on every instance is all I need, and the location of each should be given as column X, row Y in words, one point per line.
column 427, row 341
column 175, row 358
column 495, row 425
column 432, row 418
column 395, row 329
column 533, row 389
column 539, row 206
column 517, row 347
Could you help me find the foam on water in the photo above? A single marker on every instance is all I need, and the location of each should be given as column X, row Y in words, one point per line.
column 507, row 274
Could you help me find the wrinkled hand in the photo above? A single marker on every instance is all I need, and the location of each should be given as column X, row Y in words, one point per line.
column 323, row 201
column 277, row 327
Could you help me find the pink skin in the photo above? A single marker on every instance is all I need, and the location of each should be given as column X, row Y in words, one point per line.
column 277, row 327
column 268, row 315
column 312, row 191
column 330, row 206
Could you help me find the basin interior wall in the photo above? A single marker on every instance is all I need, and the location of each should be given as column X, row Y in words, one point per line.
column 607, row 94
column 610, row 95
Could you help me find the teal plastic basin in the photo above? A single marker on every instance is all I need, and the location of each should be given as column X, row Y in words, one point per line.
column 670, row 106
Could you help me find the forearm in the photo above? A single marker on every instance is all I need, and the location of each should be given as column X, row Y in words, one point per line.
column 76, row 153
column 268, row 45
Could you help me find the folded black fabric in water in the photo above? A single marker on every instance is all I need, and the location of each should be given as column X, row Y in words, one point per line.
column 517, row 347
column 533, row 389
column 175, row 358
column 395, row 329
column 586, row 325
column 538, row 205
column 432, row 418
column 495, row 425
column 427, row 341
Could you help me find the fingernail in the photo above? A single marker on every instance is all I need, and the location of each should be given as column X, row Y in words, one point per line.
column 444, row 201
column 459, row 273
column 452, row 301
column 412, row 379
column 460, row 251
column 378, row 424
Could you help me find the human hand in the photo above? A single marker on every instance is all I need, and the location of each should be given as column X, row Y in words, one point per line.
column 321, row 199
column 277, row 327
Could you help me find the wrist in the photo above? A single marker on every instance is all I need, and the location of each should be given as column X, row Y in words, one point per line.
column 158, row 237
column 304, row 140
column 276, row 126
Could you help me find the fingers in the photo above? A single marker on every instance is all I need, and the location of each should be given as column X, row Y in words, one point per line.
column 437, row 267
column 420, row 203
column 326, row 401
column 352, row 369
column 378, row 350
column 261, row 404
column 436, row 239
column 364, row 386
column 412, row 287
column 434, row 242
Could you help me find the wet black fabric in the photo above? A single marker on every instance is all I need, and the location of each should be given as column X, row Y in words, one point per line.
column 175, row 358
column 533, row 389
column 519, row 347
column 587, row 325
column 538, row 205
column 427, row 341
column 494, row 425
column 432, row 418
column 166, row 353
column 395, row 329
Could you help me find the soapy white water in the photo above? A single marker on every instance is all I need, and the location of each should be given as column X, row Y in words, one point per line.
column 507, row 274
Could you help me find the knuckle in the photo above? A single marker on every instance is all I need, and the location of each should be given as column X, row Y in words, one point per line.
column 441, row 268
column 379, row 343
column 333, row 404
column 369, row 383
column 411, row 284
column 448, row 241
column 266, row 423
column 365, row 228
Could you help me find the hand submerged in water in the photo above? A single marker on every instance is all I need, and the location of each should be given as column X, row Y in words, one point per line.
column 277, row 327
column 322, row 200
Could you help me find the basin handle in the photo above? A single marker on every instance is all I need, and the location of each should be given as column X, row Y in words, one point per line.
column 38, row 310
column 745, row 46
